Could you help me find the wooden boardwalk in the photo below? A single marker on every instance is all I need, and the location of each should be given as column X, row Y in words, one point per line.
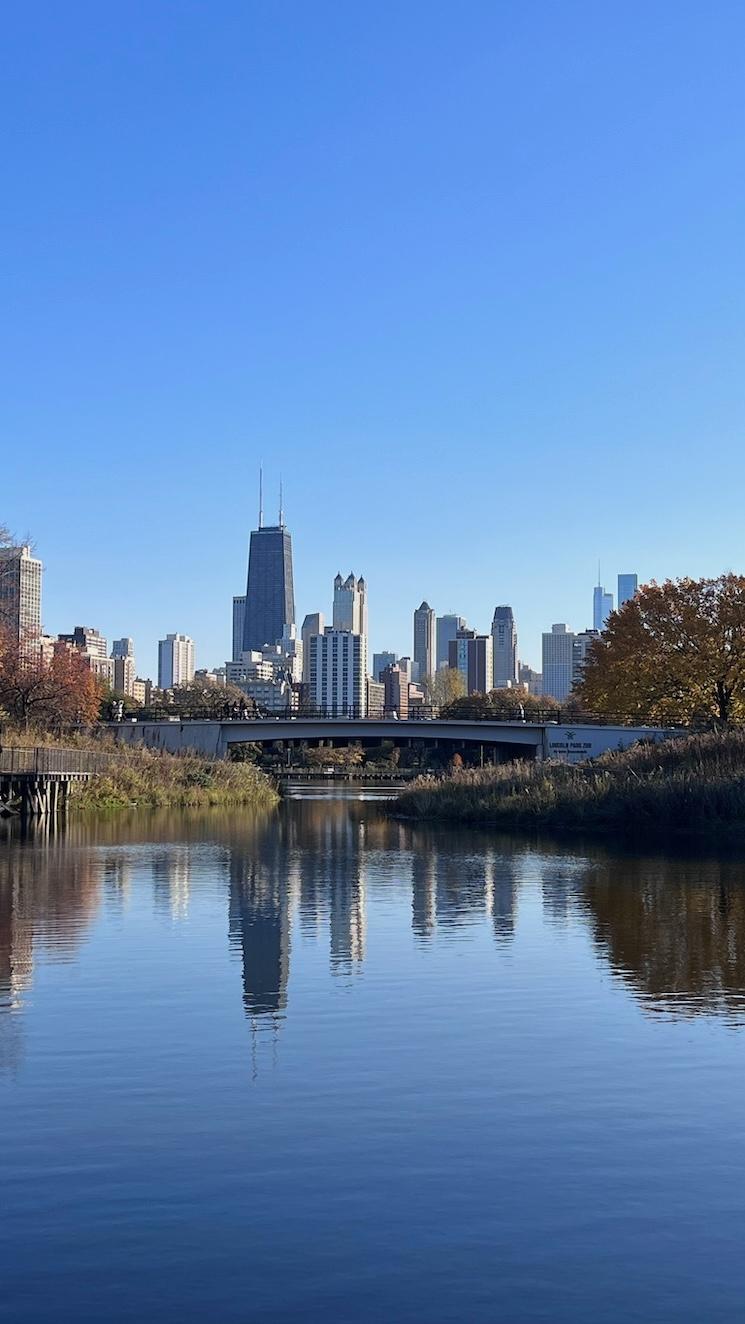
column 35, row 782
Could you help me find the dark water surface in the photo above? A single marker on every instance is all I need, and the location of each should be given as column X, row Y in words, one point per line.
column 323, row 1066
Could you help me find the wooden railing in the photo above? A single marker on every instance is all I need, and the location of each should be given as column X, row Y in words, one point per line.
column 42, row 761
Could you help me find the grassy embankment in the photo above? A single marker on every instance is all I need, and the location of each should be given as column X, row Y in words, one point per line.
column 692, row 784
column 148, row 778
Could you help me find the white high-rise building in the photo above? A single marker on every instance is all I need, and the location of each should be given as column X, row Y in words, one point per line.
column 338, row 673
column 175, row 661
column 558, row 656
column 20, row 593
column 425, row 652
column 504, row 639
column 350, row 604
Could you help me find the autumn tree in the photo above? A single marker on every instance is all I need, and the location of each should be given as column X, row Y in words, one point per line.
column 674, row 653
column 445, row 686
column 51, row 695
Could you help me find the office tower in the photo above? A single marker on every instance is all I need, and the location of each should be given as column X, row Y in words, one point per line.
column 557, row 652
column 239, row 626
column 396, row 683
column 627, row 588
column 270, row 593
column 175, row 661
column 504, row 640
column 425, row 649
column 314, row 623
column 338, row 671
column 350, row 604
column 473, row 655
column 123, row 648
column 580, row 649
column 530, row 679
column 380, row 662
column 20, row 593
column 602, row 606
column 446, row 630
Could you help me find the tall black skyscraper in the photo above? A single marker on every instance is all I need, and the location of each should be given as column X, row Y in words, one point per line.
column 270, row 595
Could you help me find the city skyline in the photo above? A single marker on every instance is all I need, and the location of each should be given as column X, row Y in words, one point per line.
column 350, row 613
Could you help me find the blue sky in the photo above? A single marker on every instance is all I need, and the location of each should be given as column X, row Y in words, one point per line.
column 470, row 276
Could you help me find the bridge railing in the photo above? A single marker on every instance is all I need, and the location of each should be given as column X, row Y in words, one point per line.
column 40, row 761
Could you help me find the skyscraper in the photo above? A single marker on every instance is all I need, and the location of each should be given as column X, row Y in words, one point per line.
column 239, row 625
column 580, row 648
column 20, row 593
column 350, row 604
column 424, row 641
column 447, row 628
column 558, row 656
column 602, row 606
column 314, row 623
column 504, row 638
column 338, row 672
column 123, row 648
column 175, row 661
column 270, row 593
column 473, row 655
column 381, row 661
column 627, row 588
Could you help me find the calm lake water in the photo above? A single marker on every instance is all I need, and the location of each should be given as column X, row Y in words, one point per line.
column 324, row 1066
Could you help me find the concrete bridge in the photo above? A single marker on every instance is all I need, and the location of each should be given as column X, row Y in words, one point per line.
column 497, row 740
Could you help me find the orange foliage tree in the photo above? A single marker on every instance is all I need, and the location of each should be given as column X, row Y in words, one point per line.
column 674, row 653
column 51, row 695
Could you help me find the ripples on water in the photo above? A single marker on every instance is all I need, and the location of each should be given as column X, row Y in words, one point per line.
column 321, row 1065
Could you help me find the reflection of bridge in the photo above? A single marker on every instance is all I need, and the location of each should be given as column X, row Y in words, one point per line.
column 505, row 739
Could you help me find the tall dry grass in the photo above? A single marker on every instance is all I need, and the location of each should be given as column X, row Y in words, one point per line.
column 695, row 783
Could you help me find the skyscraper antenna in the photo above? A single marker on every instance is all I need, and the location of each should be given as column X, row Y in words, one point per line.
column 261, row 496
column 281, row 511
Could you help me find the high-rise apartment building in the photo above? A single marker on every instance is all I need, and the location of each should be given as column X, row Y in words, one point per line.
column 504, row 640
column 350, row 604
column 396, row 683
column 123, row 648
column 580, row 648
column 446, row 630
column 239, row 626
column 124, row 675
column 425, row 645
column 338, row 673
column 314, row 623
column 20, row 593
column 602, row 606
column 558, row 657
column 270, row 592
column 472, row 654
column 381, row 661
column 175, row 661
column 628, row 586
column 94, row 650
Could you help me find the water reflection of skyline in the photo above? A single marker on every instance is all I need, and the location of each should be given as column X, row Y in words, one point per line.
column 671, row 928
